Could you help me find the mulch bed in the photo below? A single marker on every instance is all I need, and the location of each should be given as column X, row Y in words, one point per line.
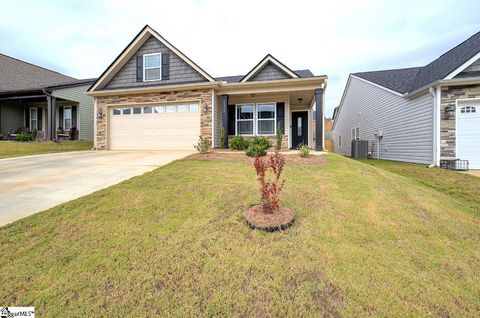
column 241, row 157
column 270, row 222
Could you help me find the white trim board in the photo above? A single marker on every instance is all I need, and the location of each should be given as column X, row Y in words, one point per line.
column 268, row 59
column 463, row 66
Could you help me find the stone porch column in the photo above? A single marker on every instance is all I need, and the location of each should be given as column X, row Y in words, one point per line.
column 319, row 119
column 225, row 119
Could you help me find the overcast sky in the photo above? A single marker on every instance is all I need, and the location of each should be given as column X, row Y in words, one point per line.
column 81, row 39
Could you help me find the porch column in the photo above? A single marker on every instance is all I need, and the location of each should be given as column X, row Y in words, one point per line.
column 51, row 105
column 319, row 119
column 225, row 119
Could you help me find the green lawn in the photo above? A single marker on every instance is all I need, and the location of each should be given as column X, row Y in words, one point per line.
column 459, row 185
column 173, row 242
column 15, row 148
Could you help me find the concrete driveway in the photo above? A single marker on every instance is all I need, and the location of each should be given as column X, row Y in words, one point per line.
column 32, row 184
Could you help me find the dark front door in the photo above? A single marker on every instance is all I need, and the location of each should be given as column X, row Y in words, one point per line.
column 299, row 129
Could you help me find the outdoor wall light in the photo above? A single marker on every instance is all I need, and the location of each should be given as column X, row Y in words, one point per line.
column 300, row 100
column 99, row 114
column 206, row 108
column 450, row 111
column 252, row 95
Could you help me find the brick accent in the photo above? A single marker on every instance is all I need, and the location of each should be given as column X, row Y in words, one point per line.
column 204, row 97
column 447, row 126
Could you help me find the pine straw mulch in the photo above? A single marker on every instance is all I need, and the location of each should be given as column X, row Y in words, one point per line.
column 270, row 222
column 241, row 157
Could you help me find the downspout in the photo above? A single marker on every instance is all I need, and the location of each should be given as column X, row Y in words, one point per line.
column 431, row 91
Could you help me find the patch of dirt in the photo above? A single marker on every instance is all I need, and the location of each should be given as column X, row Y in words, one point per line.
column 312, row 160
column 280, row 220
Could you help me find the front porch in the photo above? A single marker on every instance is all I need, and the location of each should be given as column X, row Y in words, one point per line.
column 52, row 118
column 262, row 110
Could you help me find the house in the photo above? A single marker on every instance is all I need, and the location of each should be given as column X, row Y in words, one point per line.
column 418, row 114
column 35, row 98
column 153, row 96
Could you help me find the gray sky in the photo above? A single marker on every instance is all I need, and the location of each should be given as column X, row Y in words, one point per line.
column 81, row 38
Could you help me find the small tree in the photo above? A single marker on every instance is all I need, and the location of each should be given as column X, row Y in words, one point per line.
column 279, row 137
column 269, row 173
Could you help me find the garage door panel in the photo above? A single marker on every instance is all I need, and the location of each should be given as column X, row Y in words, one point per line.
column 468, row 133
column 154, row 131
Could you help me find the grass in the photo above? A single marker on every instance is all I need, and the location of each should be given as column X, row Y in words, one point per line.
column 173, row 242
column 10, row 149
column 458, row 185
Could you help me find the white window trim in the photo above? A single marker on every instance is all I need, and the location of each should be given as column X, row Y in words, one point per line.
column 353, row 133
column 64, row 118
column 150, row 68
column 255, row 119
column 36, row 119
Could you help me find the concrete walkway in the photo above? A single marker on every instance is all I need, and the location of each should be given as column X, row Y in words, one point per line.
column 32, row 184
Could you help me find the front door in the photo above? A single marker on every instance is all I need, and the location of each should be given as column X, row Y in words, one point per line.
column 299, row 129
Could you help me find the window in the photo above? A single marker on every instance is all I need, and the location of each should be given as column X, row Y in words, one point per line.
column 245, row 119
column 339, row 140
column 193, row 108
column 468, row 109
column 137, row 110
column 147, row 110
column 117, row 111
column 33, row 118
column 127, row 111
column 356, row 133
column 266, row 119
column 67, row 118
column 181, row 108
column 152, row 67
column 158, row 109
column 170, row 109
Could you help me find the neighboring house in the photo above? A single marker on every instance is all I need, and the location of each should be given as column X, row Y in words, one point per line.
column 420, row 114
column 153, row 96
column 30, row 95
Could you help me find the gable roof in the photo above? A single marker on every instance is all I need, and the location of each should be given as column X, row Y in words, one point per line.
column 407, row 80
column 237, row 78
column 17, row 76
column 268, row 59
column 132, row 48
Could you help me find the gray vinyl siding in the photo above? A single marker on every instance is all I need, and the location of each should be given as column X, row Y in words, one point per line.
column 180, row 71
column 11, row 117
column 85, row 112
column 269, row 72
column 407, row 124
column 472, row 70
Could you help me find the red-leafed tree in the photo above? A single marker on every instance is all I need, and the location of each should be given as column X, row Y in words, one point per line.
column 269, row 175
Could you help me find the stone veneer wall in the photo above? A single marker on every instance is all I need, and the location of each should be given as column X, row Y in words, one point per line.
column 204, row 97
column 447, row 126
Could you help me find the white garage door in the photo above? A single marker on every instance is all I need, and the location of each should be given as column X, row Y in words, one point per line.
column 154, row 127
column 468, row 133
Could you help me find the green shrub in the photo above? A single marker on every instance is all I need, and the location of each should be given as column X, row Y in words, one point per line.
column 1, row 136
column 33, row 135
column 304, row 151
column 239, row 143
column 258, row 147
column 203, row 145
column 24, row 137
column 279, row 137
column 222, row 138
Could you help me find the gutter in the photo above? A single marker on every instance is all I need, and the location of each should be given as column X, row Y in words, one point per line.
column 436, row 123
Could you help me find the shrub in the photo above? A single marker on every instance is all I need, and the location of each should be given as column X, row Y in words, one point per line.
column 33, row 135
column 279, row 137
column 203, row 145
column 304, row 151
column 1, row 136
column 222, row 138
column 272, row 185
column 258, row 147
column 23, row 137
column 239, row 143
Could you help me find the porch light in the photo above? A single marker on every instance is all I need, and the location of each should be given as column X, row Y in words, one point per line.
column 99, row 114
column 450, row 111
column 252, row 95
column 206, row 108
column 300, row 100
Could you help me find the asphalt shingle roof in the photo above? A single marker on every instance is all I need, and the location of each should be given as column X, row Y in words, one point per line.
column 410, row 79
column 17, row 75
column 237, row 78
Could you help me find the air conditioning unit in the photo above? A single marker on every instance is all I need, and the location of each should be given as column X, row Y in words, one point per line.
column 359, row 149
